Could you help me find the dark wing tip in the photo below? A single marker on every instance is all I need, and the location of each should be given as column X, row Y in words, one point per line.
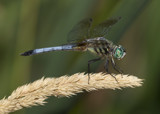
column 27, row 53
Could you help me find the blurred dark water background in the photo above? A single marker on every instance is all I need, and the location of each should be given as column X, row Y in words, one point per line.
column 29, row 24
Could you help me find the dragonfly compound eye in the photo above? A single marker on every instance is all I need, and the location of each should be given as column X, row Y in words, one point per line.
column 119, row 52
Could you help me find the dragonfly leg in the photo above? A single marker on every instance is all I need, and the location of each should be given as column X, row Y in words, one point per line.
column 106, row 68
column 106, row 65
column 89, row 62
column 116, row 67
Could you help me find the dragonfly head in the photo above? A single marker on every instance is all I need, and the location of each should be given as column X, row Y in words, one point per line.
column 119, row 52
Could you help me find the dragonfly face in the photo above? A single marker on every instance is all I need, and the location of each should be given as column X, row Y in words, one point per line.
column 119, row 52
column 83, row 38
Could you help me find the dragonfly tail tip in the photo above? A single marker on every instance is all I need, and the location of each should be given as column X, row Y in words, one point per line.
column 28, row 53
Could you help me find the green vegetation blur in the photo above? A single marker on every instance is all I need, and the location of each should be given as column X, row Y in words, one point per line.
column 30, row 24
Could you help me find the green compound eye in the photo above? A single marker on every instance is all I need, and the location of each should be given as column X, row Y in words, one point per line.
column 119, row 52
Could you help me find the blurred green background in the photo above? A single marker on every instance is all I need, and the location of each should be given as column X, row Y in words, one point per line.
column 29, row 24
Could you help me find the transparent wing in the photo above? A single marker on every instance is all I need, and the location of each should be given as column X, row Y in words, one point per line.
column 102, row 29
column 80, row 31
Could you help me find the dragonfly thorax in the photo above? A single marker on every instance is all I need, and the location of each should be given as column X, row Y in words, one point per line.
column 100, row 46
column 105, row 48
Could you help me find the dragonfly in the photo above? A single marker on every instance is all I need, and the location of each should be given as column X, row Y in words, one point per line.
column 83, row 37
